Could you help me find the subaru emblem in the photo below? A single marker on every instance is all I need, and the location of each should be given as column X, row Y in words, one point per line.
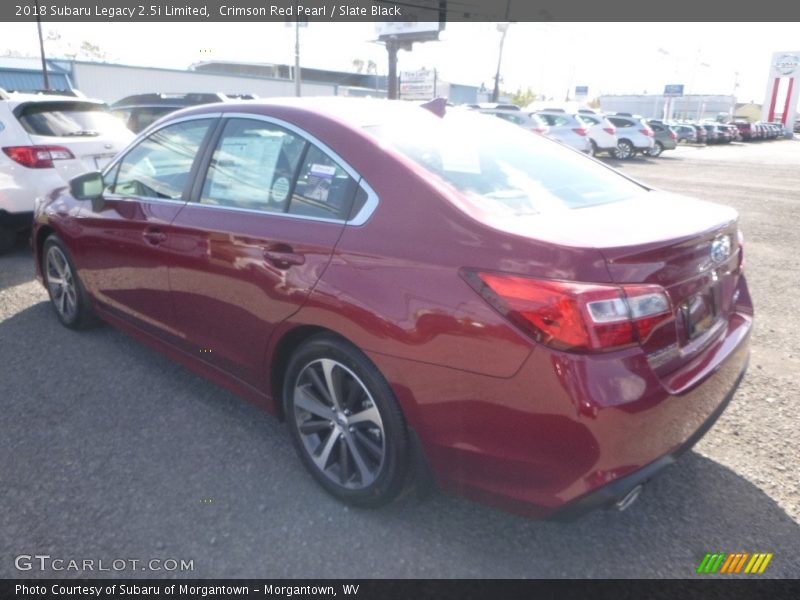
column 721, row 249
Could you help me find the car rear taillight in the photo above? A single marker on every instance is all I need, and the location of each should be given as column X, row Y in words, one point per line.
column 541, row 130
column 646, row 131
column 579, row 130
column 576, row 316
column 37, row 157
column 610, row 130
column 673, row 135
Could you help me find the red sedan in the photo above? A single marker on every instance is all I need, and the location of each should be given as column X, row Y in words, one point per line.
column 415, row 293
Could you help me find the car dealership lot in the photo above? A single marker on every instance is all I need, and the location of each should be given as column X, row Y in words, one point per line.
column 111, row 451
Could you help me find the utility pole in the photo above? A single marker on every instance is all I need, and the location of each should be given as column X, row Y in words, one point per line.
column 502, row 27
column 392, row 47
column 41, row 47
column 296, row 54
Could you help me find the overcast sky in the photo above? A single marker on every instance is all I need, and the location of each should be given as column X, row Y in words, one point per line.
column 550, row 58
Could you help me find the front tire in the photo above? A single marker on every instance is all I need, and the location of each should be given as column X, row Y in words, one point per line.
column 67, row 294
column 345, row 423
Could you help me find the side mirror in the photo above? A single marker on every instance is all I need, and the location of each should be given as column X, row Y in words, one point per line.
column 88, row 186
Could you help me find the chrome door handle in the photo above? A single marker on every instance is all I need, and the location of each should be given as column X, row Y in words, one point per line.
column 283, row 259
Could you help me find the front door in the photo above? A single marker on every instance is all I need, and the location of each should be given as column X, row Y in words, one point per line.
column 254, row 240
column 128, row 235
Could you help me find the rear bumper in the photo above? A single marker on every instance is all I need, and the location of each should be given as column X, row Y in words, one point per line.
column 566, row 432
column 613, row 492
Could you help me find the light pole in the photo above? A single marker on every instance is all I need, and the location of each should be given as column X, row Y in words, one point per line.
column 41, row 47
column 701, row 99
column 503, row 28
column 733, row 96
column 296, row 53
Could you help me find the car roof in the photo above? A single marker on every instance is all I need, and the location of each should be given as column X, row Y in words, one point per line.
column 177, row 99
column 357, row 112
column 14, row 99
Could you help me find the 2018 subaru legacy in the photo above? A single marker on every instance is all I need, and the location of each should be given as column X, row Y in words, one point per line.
column 415, row 293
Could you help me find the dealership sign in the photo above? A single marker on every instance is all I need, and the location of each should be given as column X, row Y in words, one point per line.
column 783, row 90
column 786, row 64
column 673, row 89
column 418, row 85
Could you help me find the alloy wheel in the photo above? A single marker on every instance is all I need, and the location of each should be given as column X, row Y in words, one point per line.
column 61, row 284
column 624, row 150
column 339, row 424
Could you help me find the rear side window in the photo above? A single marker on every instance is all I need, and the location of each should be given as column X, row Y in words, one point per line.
column 620, row 122
column 159, row 166
column 555, row 120
column 68, row 119
column 264, row 167
column 323, row 189
column 253, row 167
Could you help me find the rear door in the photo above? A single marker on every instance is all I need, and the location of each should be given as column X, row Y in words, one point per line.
column 127, row 236
column 259, row 232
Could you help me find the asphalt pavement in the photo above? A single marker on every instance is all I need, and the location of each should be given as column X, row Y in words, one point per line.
column 110, row 452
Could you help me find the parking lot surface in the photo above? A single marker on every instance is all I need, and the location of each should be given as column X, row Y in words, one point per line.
column 110, row 451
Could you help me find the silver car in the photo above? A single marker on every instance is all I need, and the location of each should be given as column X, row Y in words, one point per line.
column 567, row 129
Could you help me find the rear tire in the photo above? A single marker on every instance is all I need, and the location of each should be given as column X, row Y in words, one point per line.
column 68, row 297
column 624, row 150
column 345, row 423
column 655, row 151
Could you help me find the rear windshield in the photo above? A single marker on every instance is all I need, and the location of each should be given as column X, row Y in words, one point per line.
column 69, row 119
column 501, row 167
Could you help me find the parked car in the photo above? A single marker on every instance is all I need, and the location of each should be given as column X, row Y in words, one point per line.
column 734, row 131
column 746, row 130
column 702, row 134
column 602, row 133
column 528, row 121
column 139, row 111
column 686, row 134
column 717, row 134
column 665, row 139
column 567, row 129
column 634, row 135
column 415, row 293
column 46, row 140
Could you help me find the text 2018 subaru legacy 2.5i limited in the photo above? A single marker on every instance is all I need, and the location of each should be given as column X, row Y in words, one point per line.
column 415, row 293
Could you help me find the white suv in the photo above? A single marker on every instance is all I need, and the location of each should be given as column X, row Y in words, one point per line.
column 634, row 135
column 602, row 133
column 46, row 140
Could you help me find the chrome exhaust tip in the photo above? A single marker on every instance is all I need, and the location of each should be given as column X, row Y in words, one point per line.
column 629, row 498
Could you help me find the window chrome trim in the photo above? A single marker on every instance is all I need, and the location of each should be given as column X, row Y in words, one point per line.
column 363, row 214
column 139, row 139
column 255, row 211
